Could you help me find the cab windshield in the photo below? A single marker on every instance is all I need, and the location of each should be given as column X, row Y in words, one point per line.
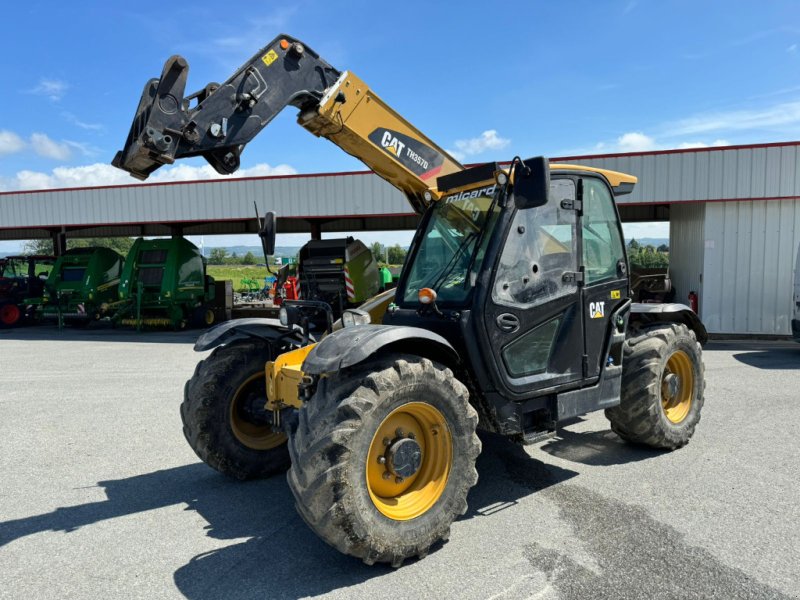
column 442, row 259
column 10, row 269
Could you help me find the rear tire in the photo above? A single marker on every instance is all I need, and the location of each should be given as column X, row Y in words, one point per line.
column 342, row 434
column 662, row 387
column 10, row 315
column 215, row 416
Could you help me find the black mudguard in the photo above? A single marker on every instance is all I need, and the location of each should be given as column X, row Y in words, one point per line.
column 227, row 332
column 352, row 345
column 647, row 313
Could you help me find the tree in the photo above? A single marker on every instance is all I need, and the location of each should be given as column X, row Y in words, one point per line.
column 217, row 256
column 377, row 251
column 633, row 244
column 396, row 255
column 249, row 259
column 663, row 248
column 122, row 245
column 43, row 246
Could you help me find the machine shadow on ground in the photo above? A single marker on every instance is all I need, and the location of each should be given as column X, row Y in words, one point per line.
column 776, row 359
column 99, row 332
column 281, row 550
column 597, row 448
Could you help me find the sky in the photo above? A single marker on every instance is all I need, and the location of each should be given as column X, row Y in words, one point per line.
column 486, row 81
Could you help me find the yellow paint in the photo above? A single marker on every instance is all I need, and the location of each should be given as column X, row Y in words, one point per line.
column 412, row 497
column 615, row 294
column 676, row 407
column 270, row 57
column 284, row 375
column 105, row 286
column 256, row 437
column 615, row 178
column 349, row 124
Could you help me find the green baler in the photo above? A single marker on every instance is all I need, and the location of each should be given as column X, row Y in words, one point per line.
column 82, row 285
column 342, row 272
column 164, row 284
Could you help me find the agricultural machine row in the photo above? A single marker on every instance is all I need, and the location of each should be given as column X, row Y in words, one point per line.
column 161, row 283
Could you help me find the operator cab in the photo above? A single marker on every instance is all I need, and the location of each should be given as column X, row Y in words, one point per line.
column 534, row 291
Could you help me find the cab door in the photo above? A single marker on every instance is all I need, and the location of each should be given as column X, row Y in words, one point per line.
column 604, row 268
column 532, row 322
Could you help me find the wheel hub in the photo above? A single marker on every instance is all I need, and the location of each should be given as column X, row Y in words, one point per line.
column 252, row 409
column 409, row 461
column 250, row 423
column 403, row 457
column 671, row 385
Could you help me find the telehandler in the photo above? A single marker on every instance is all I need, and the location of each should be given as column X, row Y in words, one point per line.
column 512, row 313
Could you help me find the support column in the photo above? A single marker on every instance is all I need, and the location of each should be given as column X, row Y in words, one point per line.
column 59, row 239
column 316, row 229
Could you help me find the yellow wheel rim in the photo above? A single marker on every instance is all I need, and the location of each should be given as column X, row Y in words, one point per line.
column 208, row 317
column 252, row 435
column 405, row 498
column 677, row 387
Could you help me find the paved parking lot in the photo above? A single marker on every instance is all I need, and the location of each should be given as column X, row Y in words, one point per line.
column 100, row 496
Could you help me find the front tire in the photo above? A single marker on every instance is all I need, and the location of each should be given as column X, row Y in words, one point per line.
column 220, row 413
column 662, row 387
column 383, row 458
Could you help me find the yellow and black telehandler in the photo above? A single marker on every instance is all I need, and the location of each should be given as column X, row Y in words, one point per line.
column 512, row 313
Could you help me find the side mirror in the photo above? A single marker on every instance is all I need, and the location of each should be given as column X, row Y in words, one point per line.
column 532, row 183
column 267, row 234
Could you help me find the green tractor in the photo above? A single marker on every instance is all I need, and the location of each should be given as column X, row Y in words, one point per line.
column 81, row 287
column 164, row 284
column 21, row 278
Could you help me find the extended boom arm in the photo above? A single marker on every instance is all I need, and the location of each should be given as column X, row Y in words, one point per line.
column 224, row 118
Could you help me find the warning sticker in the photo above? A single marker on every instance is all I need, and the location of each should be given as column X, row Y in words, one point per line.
column 270, row 57
column 615, row 294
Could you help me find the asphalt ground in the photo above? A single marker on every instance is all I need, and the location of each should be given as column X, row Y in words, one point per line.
column 100, row 496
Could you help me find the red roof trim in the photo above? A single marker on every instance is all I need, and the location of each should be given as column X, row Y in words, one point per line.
column 662, row 202
column 675, row 151
column 344, row 173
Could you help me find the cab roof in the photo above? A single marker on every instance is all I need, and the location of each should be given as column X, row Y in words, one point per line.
column 484, row 174
column 622, row 183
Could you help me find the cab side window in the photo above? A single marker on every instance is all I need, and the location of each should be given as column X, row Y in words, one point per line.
column 539, row 248
column 602, row 242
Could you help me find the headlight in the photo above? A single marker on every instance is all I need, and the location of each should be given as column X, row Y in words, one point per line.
column 283, row 316
column 353, row 317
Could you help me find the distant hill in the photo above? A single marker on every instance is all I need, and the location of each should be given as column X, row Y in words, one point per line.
column 649, row 241
column 242, row 250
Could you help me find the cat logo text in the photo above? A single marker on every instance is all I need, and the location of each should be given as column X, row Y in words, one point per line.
column 597, row 310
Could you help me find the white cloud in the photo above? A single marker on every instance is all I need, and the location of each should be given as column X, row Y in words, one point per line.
column 714, row 144
column 780, row 115
column 82, row 124
column 44, row 146
column 54, row 89
column 488, row 140
column 792, row 49
column 100, row 174
column 635, row 141
column 83, row 148
column 10, row 142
